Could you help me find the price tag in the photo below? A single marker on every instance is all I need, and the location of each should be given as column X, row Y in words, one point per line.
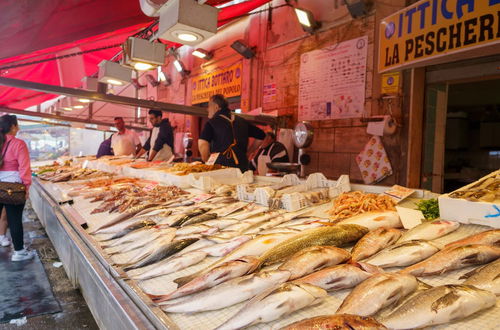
column 398, row 193
column 80, row 154
column 212, row 159
column 85, row 164
column 410, row 218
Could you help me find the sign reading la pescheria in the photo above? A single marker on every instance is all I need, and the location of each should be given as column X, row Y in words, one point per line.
column 432, row 28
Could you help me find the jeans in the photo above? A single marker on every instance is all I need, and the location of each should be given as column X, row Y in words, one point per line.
column 15, row 221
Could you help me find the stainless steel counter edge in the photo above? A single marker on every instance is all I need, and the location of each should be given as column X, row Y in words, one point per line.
column 115, row 302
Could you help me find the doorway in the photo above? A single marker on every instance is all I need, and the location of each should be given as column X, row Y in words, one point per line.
column 462, row 133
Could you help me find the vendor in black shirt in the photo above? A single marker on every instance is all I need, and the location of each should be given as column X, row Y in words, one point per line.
column 226, row 135
column 160, row 143
column 270, row 151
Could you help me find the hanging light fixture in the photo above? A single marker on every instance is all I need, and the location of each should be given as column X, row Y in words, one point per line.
column 359, row 8
column 243, row 49
column 187, row 22
column 113, row 73
column 306, row 20
column 143, row 55
column 203, row 54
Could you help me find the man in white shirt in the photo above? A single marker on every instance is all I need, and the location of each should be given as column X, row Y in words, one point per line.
column 125, row 142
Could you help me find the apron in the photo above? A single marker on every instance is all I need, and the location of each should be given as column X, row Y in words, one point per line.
column 229, row 153
column 262, row 161
column 165, row 153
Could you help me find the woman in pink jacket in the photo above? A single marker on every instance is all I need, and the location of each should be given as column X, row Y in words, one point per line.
column 15, row 167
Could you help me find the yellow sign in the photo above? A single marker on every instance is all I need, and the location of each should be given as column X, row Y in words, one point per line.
column 226, row 82
column 390, row 83
column 433, row 28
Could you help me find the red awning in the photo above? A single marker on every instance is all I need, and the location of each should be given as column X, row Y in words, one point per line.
column 49, row 28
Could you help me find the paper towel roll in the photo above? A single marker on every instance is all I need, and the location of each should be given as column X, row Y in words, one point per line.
column 387, row 126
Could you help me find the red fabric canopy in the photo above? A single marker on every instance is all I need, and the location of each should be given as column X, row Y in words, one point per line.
column 91, row 20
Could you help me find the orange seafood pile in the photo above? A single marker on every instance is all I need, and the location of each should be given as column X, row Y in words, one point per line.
column 356, row 202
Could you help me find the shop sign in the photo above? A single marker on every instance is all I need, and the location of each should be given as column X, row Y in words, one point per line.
column 390, row 83
column 432, row 28
column 226, row 81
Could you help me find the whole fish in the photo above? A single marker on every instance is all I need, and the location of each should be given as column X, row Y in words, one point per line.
column 454, row 258
column 254, row 247
column 404, row 254
column 140, row 238
column 335, row 235
column 375, row 241
column 231, row 208
column 374, row 220
column 439, row 305
column 170, row 265
column 164, row 251
column 124, row 216
column 486, row 278
column 223, row 273
column 135, row 255
column 337, row 322
column 195, row 229
column 220, row 223
column 227, row 294
column 270, row 306
column 430, row 230
column 200, row 219
column 341, row 276
column 222, row 249
column 136, row 225
column 377, row 292
column 185, row 217
column 313, row 259
column 489, row 237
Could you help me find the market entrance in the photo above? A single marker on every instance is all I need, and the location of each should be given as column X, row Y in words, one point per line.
column 461, row 130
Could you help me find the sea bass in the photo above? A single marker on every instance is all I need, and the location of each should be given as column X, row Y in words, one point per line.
column 170, row 265
column 125, row 216
column 164, row 251
column 430, row 230
column 375, row 241
column 404, row 254
column 486, row 278
column 341, row 276
column 489, row 237
column 270, row 306
column 313, row 259
column 337, row 322
column 337, row 235
column 454, row 258
column 134, row 226
column 374, row 220
column 227, row 294
column 254, row 247
column 377, row 292
column 222, row 249
column 223, row 273
column 439, row 305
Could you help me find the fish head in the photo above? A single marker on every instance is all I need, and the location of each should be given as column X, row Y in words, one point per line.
column 369, row 268
column 313, row 290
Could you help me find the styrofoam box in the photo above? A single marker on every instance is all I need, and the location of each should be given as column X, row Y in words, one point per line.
column 464, row 211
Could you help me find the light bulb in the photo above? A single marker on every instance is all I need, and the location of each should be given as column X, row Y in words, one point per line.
column 114, row 82
column 303, row 17
column 187, row 37
column 78, row 107
column 140, row 66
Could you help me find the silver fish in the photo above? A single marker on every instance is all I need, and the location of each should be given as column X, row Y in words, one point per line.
column 375, row 241
column 341, row 276
column 430, row 230
column 486, row 278
column 313, row 259
column 227, row 294
column 270, row 306
column 454, row 258
column 377, row 292
column 164, row 251
column 134, row 256
column 490, row 237
column 404, row 254
column 196, row 229
column 223, row 273
column 200, row 219
column 374, row 220
column 143, row 238
column 134, row 226
column 170, row 265
column 439, row 305
column 222, row 249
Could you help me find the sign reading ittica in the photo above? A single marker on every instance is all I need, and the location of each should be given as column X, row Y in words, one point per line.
column 432, row 28
column 226, row 81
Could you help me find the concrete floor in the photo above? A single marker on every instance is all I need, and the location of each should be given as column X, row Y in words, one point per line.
column 75, row 313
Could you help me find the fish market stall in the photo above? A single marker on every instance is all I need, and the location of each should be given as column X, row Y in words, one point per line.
column 167, row 257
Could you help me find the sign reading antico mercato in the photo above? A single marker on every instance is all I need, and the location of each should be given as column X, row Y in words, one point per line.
column 225, row 81
column 432, row 28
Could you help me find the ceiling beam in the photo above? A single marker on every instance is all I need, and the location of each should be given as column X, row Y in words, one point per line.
column 123, row 100
column 63, row 118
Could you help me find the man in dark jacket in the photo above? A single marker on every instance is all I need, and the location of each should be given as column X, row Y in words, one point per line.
column 161, row 141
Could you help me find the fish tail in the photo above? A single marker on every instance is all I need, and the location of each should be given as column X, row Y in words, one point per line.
column 181, row 281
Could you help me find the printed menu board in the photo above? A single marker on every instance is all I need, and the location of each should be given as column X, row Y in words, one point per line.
column 332, row 81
